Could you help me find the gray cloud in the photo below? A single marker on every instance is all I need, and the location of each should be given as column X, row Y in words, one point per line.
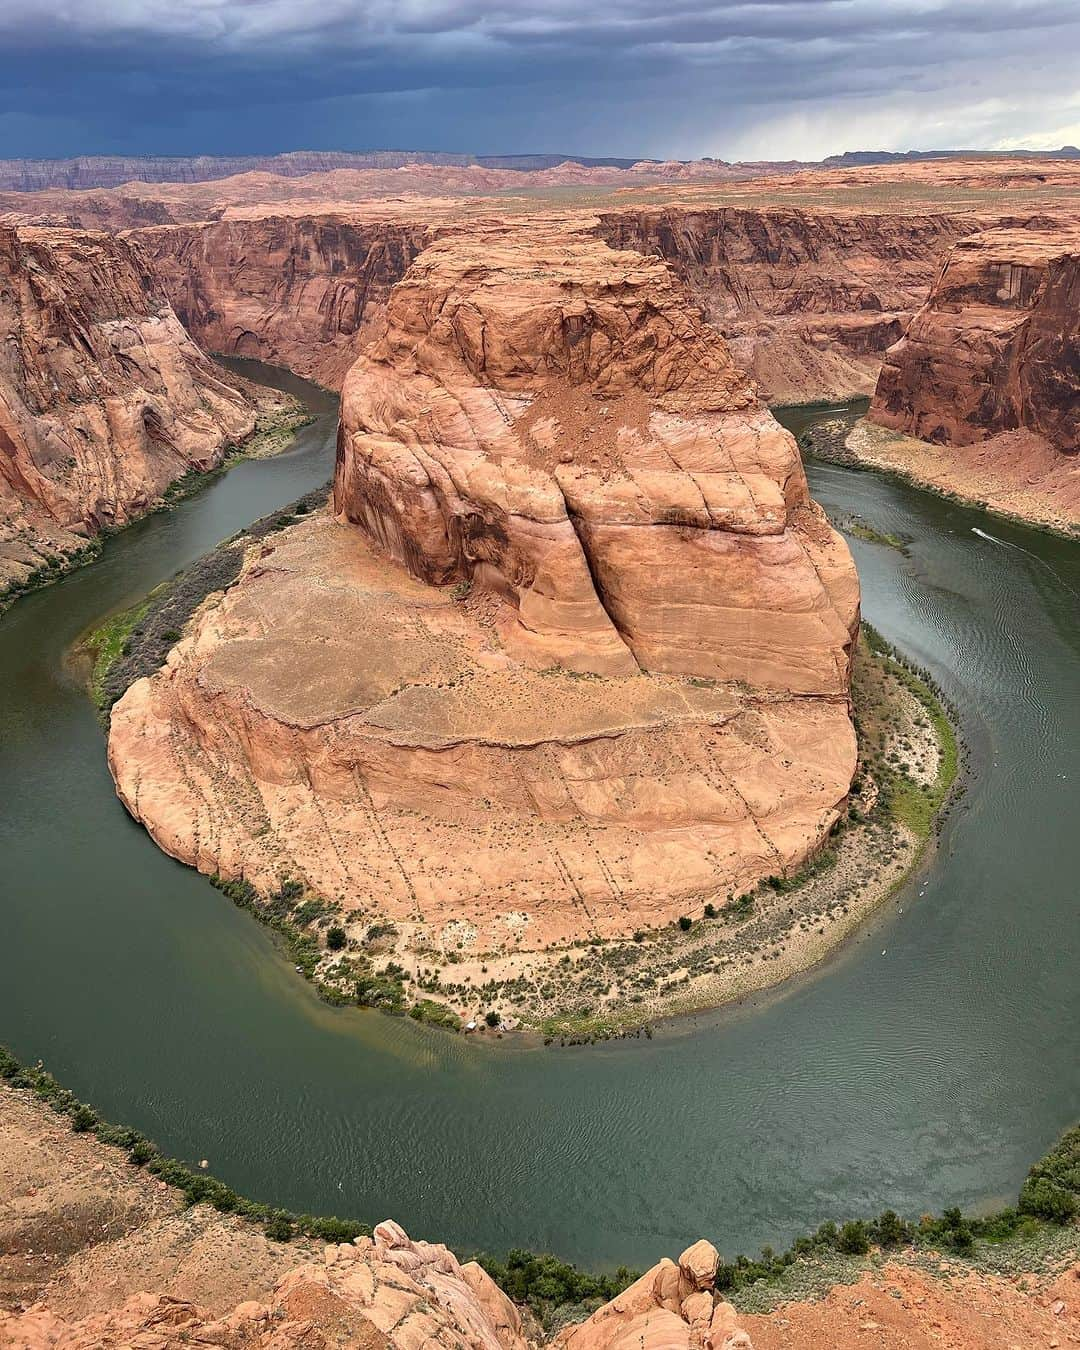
column 758, row 78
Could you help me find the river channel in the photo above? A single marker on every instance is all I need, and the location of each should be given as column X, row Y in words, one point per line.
column 926, row 1064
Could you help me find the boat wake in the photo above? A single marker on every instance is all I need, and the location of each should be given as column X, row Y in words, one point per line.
column 1004, row 543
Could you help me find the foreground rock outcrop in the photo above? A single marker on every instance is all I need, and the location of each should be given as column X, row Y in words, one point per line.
column 574, row 657
column 104, row 398
column 996, row 347
column 95, row 1253
column 379, row 1292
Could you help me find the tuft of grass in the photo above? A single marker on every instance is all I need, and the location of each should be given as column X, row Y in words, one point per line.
column 108, row 642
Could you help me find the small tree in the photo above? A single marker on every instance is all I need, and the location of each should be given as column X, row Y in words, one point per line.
column 890, row 1230
column 335, row 937
column 492, row 1018
column 685, row 922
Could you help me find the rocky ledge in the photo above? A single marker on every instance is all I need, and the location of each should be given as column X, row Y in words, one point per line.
column 574, row 656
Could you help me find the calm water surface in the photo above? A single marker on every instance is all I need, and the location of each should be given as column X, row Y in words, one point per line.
column 926, row 1065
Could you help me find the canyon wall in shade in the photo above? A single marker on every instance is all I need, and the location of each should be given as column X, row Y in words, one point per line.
column 104, row 398
column 996, row 346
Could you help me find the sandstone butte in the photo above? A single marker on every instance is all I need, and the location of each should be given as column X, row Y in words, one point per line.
column 97, row 1255
column 104, row 397
column 574, row 653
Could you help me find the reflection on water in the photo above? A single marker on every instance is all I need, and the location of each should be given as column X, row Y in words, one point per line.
column 924, row 1077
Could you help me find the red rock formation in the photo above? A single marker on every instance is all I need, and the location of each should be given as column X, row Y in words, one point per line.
column 808, row 300
column 379, row 1292
column 104, row 398
column 549, row 417
column 580, row 482
column 292, row 290
column 996, row 347
column 671, row 1307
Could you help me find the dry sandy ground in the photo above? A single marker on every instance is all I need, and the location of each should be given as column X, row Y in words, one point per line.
column 81, row 1228
column 903, row 1307
column 1013, row 474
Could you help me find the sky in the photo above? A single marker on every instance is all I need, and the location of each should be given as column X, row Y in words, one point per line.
column 763, row 79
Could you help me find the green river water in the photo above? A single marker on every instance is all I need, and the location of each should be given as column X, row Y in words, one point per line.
column 926, row 1064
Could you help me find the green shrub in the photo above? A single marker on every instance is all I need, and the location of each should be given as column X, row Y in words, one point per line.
column 1042, row 1198
column 279, row 1226
column 685, row 922
column 83, row 1119
column 336, row 937
column 853, row 1239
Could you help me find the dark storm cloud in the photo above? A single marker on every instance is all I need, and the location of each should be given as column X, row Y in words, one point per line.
column 765, row 77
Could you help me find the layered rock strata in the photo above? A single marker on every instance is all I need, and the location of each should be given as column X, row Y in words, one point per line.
column 549, row 418
column 297, row 291
column 996, row 346
column 808, row 300
column 104, row 398
column 573, row 657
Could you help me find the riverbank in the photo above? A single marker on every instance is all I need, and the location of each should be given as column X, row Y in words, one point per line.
column 93, row 1213
column 909, row 759
column 137, row 640
column 1014, row 476
column 44, row 554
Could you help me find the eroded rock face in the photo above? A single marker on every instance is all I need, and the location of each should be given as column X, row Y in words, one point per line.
column 379, row 1292
column 104, row 398
column 551, row 418
column 996, row 347
column 297, row 291
column 808, row 300
column 574, row 656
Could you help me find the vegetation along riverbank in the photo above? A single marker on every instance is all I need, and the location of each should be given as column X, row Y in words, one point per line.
column 1037, row 1235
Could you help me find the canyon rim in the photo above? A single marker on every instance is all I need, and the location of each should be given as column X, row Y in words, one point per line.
column 515, row 671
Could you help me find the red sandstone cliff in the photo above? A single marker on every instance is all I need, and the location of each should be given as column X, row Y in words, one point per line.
column 549, row 416
column 298, row 291
column 104, row 398
column 996, row 347
column 809, row 300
